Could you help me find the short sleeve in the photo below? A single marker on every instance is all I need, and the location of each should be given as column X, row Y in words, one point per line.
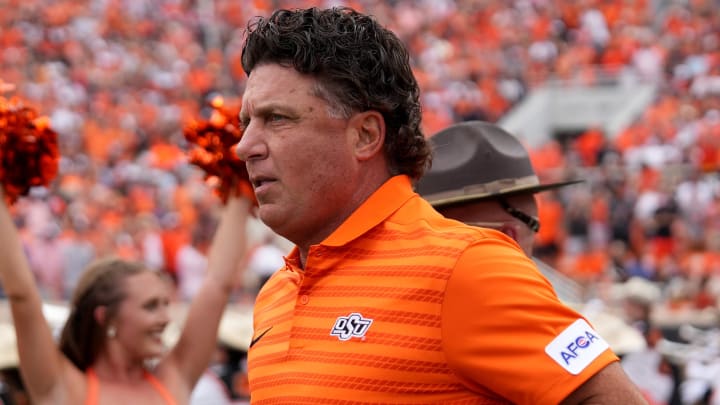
column 502, row 324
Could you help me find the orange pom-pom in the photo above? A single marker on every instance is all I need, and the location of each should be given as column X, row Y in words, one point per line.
column 213, row 141
column 29, row 153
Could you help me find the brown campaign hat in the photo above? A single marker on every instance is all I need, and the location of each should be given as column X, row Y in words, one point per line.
column 477, row 160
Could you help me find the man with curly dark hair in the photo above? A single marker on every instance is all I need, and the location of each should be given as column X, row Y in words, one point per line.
column 370, row 306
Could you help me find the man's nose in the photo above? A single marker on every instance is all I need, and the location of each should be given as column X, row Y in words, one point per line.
column 251, row 146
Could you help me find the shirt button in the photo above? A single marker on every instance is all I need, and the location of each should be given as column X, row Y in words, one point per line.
column 304, row 299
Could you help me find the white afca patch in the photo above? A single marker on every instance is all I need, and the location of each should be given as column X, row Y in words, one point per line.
column 576, row 347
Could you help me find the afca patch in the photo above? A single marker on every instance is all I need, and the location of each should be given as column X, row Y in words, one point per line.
column 576, row 347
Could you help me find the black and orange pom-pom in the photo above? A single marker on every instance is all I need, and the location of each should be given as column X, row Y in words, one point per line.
column 29, row 153
column 213, row 141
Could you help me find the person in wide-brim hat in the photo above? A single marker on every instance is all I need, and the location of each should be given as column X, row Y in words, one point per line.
column 477, row 160
column 482, row 175
column 225, row 381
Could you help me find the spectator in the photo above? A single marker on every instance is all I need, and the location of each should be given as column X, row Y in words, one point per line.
column 12, row 388
column 265, row 259
column 648, row 368
column 192, row 264
column 225, row 381
column 483, row 176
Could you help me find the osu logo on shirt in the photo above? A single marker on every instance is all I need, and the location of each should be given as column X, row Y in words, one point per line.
column 353, row 325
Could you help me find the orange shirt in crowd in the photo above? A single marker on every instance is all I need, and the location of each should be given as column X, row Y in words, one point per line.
column 401, row 305
column 585, row 266
column 547, row 157
column 167, row 156
column 589, row 144
column 700, row 263
column 551, row 215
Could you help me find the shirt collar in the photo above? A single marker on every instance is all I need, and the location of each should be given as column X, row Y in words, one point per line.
column 383, row 202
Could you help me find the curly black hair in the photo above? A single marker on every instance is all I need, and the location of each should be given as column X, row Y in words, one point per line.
column 360, row 66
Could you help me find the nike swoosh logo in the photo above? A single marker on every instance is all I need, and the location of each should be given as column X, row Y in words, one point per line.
column 255, row 339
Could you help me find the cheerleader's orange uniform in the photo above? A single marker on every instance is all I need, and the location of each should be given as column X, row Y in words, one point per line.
column 93, row 388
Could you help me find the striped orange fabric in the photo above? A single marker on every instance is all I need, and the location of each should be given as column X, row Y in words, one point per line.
column 400, row 305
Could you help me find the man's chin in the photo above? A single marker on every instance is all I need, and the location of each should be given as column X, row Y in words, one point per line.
column 270, row 216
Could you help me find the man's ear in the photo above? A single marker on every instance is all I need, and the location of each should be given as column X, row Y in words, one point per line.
column 510, row 230
column 370, row 130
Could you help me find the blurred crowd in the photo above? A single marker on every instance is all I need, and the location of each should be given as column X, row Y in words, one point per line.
column 120, row 78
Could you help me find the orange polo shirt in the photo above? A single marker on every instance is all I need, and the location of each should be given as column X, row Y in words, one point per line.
column 401, row 305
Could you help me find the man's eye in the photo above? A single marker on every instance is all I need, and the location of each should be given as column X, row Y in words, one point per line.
column 275, row 117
